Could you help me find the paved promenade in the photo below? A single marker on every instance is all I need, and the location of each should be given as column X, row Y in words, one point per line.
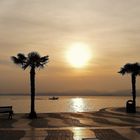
column 106, row 124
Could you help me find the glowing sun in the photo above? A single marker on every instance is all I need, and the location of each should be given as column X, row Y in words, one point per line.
column 78, row 55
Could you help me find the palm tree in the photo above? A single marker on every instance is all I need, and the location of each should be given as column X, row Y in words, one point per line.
column 33, row 61
column 134, row 70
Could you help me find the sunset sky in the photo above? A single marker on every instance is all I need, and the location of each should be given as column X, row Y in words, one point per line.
column 109, row 29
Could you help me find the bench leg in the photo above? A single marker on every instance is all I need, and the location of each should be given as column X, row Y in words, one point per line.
column 10, row 115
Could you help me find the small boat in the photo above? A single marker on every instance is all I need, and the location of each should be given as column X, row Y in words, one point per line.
column 53, row 98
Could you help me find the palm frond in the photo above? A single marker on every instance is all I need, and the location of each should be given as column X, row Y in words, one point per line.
column 44, row 59
column 33, row 59
column 21, row 56
column 25, row 66
column 133, row 68
column 15, row 60
column 41, row 66
column 122, row 71
column 33, row 56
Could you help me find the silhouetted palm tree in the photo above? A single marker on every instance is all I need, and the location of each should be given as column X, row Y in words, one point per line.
column 33, row 61
column 134, row 70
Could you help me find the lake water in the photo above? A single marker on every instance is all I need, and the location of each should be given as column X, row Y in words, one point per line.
column 21, row 104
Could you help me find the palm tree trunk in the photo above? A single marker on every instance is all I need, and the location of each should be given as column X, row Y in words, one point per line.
column 134, row 90
column 32, row 114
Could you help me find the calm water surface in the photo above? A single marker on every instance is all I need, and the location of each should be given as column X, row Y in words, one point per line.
column 21, row 104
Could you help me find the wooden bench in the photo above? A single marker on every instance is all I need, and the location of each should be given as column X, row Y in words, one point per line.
column 7, row 109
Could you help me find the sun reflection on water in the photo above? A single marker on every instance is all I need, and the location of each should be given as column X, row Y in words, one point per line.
column 78, row 104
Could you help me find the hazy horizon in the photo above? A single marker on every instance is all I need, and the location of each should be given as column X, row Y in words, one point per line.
column 109, row 29
column 78, row 93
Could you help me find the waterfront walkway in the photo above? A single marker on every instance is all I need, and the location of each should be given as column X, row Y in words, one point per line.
column 106, row 124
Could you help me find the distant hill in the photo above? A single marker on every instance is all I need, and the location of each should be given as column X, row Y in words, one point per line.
column 79, row 93
column 95, row 93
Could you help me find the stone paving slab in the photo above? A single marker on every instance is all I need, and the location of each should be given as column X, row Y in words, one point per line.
column 103, row 118
column 90, row 139
column 67, row 134
column 106, row 124
column 108, row 134
column 11, row 135
column 137, row 130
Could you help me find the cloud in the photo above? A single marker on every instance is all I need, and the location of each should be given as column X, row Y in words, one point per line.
column 110, row 27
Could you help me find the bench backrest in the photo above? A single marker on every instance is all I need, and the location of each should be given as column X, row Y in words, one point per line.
column 5, row 108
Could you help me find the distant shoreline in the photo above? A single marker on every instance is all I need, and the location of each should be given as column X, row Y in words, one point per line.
column 125, row 92
column 39, row 94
